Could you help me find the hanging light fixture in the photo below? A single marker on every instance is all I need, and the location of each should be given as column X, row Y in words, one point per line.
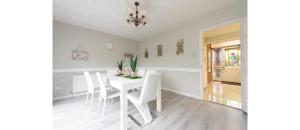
column 135, row 18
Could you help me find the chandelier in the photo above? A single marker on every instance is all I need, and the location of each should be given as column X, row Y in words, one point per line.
column 136, row 19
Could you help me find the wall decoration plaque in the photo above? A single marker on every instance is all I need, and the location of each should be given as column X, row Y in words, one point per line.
column 159, row 50
column 180, row 47
column 146, row 53
column 79, row 54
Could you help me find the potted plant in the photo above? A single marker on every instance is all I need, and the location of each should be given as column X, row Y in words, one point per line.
column 133, row 64
column 120, row 66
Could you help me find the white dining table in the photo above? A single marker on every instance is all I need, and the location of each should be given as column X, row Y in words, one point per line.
column 125, row 84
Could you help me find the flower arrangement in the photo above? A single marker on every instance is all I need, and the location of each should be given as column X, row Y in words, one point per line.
column 133, row 65
column 120, row 66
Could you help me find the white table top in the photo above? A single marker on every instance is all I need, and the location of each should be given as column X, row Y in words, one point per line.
column 125, row 83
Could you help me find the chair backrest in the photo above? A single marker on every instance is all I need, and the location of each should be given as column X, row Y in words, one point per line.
column 101, row 84
column 111, row 72
column 149, row 90
column 150, row 71
column 90, row 86
column 141, row 72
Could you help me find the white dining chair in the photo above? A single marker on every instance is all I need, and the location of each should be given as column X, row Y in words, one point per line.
column 150, row 71
column 90, row 88
column 141, row 72
column 105, row 93
column 141, row 98
column 111, row 72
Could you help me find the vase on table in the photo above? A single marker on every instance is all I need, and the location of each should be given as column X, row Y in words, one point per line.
column 133, row 74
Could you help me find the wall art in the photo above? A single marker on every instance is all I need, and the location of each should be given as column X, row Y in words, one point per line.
column 79, row 54
column 180, row 47
column 159, row 50
column 146, row 53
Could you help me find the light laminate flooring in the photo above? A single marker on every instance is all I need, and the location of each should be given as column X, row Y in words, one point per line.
column 178, row 113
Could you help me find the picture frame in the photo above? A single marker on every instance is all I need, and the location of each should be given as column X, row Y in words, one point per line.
column 79, row 55
column 159, row 50
column 180, row 47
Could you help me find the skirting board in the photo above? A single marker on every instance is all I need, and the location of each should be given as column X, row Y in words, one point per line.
column 71, row 95
column 182, row 93
column 62, row 97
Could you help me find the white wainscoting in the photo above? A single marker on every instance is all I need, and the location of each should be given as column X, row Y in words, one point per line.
column 79, row 83
column 163, row 88
column 78, row 86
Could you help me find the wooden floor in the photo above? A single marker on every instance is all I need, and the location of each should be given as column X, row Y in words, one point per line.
column 178, row 113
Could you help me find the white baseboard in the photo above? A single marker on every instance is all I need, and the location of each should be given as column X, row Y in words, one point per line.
column 71, row 95
column 182, row 93
column 62, row 97
column 80, row 94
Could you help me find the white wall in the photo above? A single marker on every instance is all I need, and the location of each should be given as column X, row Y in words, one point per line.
column 244, row 64
column 187, row 82
column 68, row 37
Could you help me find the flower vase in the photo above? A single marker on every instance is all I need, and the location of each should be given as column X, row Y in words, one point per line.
column 133, row 74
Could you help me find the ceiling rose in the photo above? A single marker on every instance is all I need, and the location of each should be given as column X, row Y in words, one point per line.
column 137, row 17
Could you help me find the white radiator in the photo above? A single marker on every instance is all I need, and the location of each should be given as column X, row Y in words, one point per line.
column 79, row 83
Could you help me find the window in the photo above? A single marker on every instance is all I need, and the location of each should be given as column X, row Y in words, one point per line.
column 232, row 56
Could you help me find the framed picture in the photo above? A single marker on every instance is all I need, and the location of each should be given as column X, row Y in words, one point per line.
column 180, row 47
column 146, row 53
column 159, row 50
column 79, row 55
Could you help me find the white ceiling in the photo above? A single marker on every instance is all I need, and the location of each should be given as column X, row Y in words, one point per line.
column 110, row 16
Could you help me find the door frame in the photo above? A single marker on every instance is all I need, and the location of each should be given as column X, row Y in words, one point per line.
column 243, row 58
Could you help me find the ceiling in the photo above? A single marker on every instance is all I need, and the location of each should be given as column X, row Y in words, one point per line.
column 110, row 16
column 235, row 27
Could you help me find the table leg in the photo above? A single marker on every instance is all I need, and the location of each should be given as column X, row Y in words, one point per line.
column 158, row 99
column 124, row 105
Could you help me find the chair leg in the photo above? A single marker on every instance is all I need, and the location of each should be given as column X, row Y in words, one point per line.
column 87, row 98
column 92, row 98
column 99, row 107
column 103, row 111
column 141, row 125
column 145, row 112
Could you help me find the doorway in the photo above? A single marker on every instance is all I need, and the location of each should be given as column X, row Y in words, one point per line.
column 221, row 65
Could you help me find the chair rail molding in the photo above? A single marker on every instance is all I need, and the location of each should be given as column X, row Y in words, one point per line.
column 69, row 70
column 178, row 69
